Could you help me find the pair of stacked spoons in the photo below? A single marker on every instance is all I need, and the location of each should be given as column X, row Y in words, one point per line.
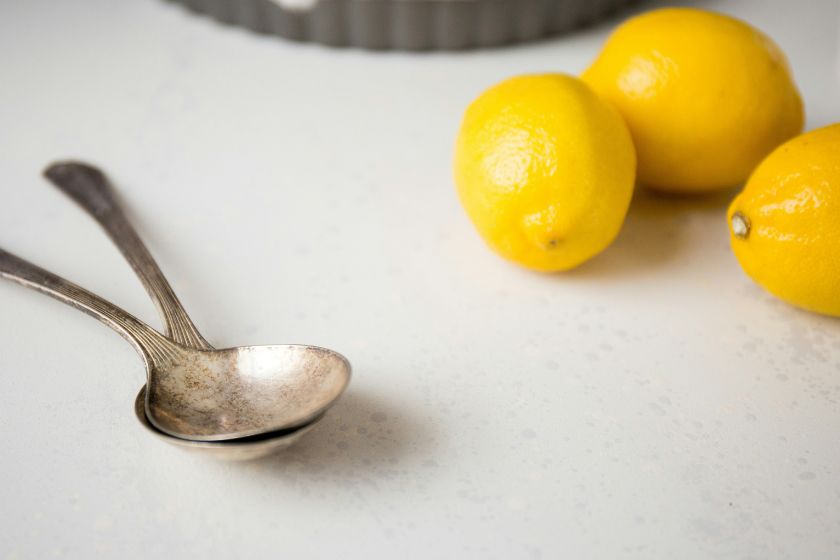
column 234, row 403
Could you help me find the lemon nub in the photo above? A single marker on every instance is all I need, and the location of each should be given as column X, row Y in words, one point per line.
column 740, row 225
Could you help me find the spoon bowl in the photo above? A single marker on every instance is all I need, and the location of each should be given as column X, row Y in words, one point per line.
column 246, row 449
column 214, row 395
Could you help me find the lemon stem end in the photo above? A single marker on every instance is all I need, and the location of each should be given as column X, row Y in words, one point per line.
column 740, row 225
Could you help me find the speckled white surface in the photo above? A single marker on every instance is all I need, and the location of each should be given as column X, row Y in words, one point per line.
column 652, row 404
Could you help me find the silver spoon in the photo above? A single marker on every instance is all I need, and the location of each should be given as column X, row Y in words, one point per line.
column 232, row 393
column 174, row 317
column 193, row 391
column 148, row 342
column 244, row 449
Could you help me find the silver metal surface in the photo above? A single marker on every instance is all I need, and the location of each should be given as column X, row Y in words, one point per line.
column 407, row 24
column 89, row 188
column 230, row 450
column 193, row 391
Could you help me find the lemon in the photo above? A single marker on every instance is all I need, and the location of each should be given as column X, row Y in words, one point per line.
column 785, row 225
column 706, row 96
column 545, row 170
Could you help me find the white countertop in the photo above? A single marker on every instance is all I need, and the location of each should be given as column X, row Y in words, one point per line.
column 654, row 403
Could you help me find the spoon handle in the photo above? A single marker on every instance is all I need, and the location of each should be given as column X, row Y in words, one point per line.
column 151, row 344
column 89, row 187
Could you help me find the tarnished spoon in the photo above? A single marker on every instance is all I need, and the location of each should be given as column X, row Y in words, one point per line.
column 244, row 449
column 193, row 391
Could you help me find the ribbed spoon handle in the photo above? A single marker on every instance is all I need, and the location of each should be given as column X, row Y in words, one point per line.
column 89, row 187
column 153, row 346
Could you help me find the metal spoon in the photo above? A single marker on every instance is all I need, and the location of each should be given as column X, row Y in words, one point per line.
column 146, row 341
column 174, row 318
column 193, row 391
column 244, row 449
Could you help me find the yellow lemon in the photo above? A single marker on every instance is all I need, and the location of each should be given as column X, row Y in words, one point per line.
column 545, row 170
column 785, row 225
column 706, row 96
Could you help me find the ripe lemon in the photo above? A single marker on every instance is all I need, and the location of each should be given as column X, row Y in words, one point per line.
column 545, row 170
column 785, row 225
column 706, row 96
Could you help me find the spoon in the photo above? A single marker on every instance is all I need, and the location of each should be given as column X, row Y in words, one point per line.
column 244, row 449
column 146, row 341
column 174, row 318
column 202, row 393
column 193, row 391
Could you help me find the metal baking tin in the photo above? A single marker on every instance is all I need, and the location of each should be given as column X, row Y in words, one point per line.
column 407, row 24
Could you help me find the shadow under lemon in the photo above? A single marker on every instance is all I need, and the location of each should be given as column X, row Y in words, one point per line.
column 654, row 232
